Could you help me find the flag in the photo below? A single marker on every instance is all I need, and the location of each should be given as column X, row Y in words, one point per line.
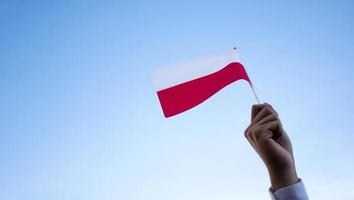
column 182, row 87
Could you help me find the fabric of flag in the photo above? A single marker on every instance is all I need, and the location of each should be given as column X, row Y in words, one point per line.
column 182, row 87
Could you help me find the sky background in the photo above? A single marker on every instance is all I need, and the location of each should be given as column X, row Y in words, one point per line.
column 80, row 119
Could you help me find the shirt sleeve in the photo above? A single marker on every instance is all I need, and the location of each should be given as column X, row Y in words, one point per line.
column 296, row 191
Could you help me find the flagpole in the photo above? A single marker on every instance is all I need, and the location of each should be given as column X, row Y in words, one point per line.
column 251, row 83
column 255, row 94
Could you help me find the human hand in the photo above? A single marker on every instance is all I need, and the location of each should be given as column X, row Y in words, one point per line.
column 270, row 141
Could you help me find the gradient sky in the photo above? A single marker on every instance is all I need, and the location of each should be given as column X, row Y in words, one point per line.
column 80, row 118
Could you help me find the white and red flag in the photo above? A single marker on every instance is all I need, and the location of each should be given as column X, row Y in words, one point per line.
column 182, row 87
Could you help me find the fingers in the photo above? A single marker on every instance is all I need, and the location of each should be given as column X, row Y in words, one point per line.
column 255, row 110
column 268, row 118
column 264, row 131
column 260, row 132
column 258, row 107
column 264, row 123
column 265, row 110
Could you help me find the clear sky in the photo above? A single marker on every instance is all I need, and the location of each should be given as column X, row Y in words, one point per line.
column 79, row 117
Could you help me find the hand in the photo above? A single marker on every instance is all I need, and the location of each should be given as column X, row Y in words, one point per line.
column 270, row 141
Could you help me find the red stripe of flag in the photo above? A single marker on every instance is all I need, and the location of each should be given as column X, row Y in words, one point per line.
column 182, row 97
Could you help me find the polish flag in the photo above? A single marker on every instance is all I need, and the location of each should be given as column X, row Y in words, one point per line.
column 182, row 87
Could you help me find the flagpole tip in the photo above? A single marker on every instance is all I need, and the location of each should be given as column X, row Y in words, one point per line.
column 235, row 50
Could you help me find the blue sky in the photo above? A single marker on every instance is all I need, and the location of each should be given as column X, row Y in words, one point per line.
column 80, row 118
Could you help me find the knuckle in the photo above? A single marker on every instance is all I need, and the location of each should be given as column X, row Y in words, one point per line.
column 255, row 106
column 268, row 109
column 247, row 131
column 277, row 120
column 275, row 116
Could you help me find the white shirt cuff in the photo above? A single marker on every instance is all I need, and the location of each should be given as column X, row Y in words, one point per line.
column 296, row 191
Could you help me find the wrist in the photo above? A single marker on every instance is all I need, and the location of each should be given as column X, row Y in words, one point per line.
column 283, row 178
